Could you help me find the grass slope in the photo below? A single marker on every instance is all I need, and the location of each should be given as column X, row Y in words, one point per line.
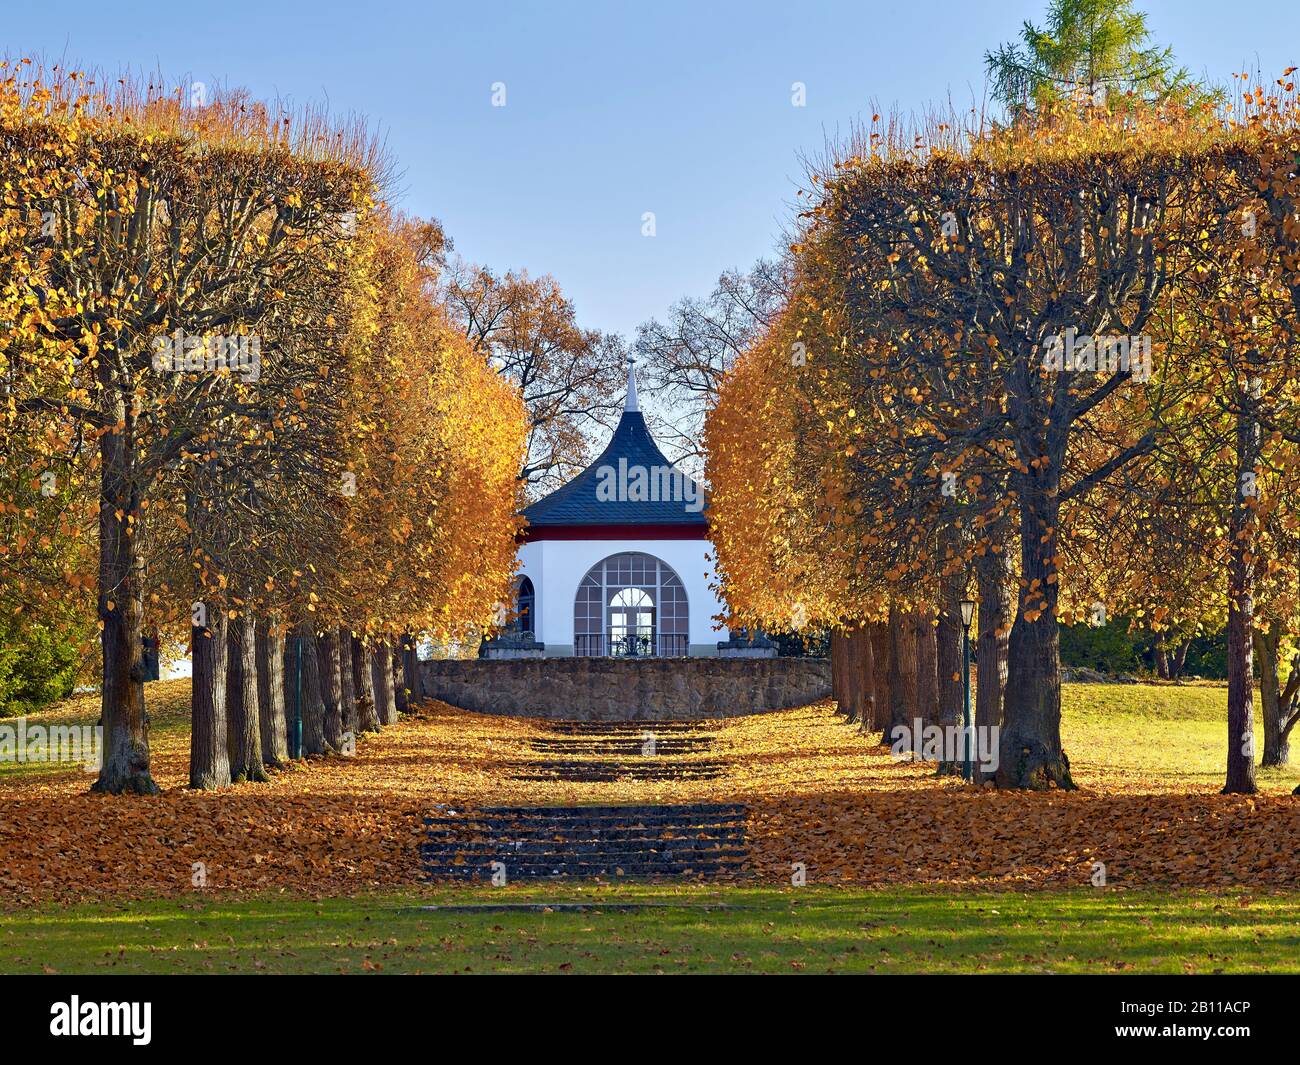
column 760, row 930
column 1157, row 737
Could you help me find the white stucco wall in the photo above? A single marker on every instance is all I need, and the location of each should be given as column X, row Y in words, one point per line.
column 557, row 566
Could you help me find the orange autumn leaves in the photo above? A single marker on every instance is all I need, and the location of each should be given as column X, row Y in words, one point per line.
column 833, row 436
column 433, row 440
column 365, row 475
column 817, row 793
column 776, row 551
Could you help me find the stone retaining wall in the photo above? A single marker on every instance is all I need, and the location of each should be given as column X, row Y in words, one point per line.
column 613, row 689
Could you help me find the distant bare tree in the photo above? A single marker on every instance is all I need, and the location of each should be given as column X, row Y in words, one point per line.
column 686, row 356
column 571, row 377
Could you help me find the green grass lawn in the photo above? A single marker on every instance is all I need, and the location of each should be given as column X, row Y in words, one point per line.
column 1162, row 737
column 694, row 930
column 168, row 703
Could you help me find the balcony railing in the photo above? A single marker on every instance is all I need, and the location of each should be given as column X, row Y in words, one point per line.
column 631, row 645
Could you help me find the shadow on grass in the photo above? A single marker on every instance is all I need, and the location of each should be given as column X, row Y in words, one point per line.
column 762, row 930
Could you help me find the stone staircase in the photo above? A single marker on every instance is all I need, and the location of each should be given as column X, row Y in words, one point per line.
column 627, row 728
column 641, row 750
column 640, row 745
column 608, row 771
column 698, row 840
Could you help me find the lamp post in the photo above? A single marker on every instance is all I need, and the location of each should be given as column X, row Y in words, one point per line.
column 297, row 704
column 967, row 616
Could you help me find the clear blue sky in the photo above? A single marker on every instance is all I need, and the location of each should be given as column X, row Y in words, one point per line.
column 613, row 109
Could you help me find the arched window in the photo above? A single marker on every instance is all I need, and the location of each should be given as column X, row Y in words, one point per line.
column 525, row 599
column 631, row 605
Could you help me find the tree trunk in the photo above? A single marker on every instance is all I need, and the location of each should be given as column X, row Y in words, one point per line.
column 838, row 652
column 293, row 680
column 862, row 678
column 849, row 682
column 149, row 659
column 400, row 700
column 125, row 744
column 903, row 705
column 270, row 672
column 349, row 705
column 1179, row 662
column 927, row 666
column 331, row 682
column 948, row 638
column 313, row 703
column 948, row 643
column 1240, row 777
column 265, row 717
column 209, row 758
column 1275, row 702
column 851, row 702
column 411, row 670
column 1030, row 753
column 1268, row 644
column 881, row 712
column 363, row 682
column 1162, row 657
column 994, row 580
column 382, row 661
column 852, row 706
column 250, row 738
column 235, row 701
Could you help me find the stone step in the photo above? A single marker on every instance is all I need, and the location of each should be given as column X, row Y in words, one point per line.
column 585, row 775
column 489, row 851
column 720, row 810
column 584, row 870
column 702, row 833
column 585, row 827
column 611, row 778
column 620, row 764
column 560, row 861
column 618, row 728
column 532, row 842
column 633, row 745
column 585, row 847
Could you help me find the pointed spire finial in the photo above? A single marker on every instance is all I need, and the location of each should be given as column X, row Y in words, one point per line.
column 631, row 404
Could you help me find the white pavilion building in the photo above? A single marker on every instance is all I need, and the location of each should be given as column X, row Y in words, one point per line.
column 616, row 562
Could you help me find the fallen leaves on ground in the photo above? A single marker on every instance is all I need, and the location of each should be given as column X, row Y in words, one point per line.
column 818, row 794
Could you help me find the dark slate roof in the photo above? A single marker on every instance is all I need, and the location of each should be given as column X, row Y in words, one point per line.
column 577, row 504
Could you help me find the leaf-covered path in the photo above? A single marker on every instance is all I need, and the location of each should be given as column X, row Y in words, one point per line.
column 818, row 794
